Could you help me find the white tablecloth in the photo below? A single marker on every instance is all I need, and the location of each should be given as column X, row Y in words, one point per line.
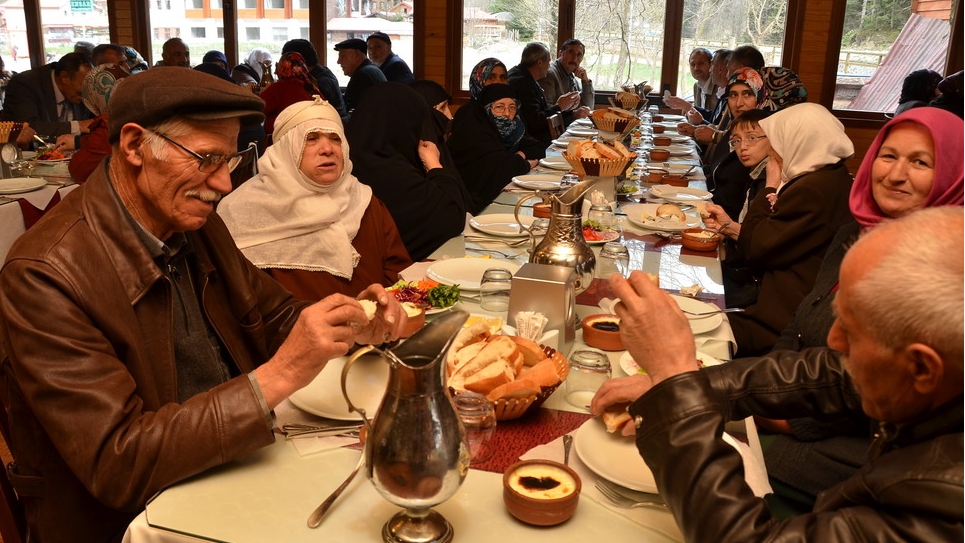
column 11, row 217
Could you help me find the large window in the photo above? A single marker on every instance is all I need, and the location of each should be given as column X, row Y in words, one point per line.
column 882, row 42
column 625, row 40
column 361, row 18
column 13, row 41
column 185, row 20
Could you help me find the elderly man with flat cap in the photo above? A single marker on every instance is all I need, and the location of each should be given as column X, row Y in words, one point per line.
column 894, row 354
column 363, row 73
column 391, row 64
column 140, row 346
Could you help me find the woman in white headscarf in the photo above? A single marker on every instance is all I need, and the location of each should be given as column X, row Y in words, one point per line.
column 251, row 70
column 791, row 222
column 306, row 219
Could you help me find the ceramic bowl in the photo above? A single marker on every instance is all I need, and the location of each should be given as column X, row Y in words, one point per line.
column 675, row 180
column 697, row 239
column 541, row 492
column 656, row 118
column 656, row 175
column 659, row 155
column 662, row 141
column 416, row 319
column 659, row 128
column 603, row 332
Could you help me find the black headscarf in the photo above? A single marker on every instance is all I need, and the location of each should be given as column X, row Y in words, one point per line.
column 511, row 130
column 433, row 94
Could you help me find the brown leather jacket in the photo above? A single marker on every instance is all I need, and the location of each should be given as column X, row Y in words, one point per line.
column 90, row 383
column 909, row 490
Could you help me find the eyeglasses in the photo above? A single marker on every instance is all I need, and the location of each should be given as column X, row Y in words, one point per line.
column 499, row 109
column 208, row 163
column 749, row 140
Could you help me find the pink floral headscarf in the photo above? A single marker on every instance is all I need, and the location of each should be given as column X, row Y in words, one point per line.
column 946, row 190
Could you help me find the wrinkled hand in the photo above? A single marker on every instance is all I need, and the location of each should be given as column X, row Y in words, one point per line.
column 568, row 101
column 26, row 136
column 718, row 218
column 581, row 112
column 653, row 329
column 704, row 133
column 695, row 117
column 676, row 102
column 65, row 142
column 580, row 73
column 389, row 317
column 618, row 391
column 773, row 169
column 429, row 155
column 686, row 129
column 323, row 330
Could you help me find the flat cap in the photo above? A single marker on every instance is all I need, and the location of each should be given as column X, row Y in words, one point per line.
column 153, row 96
column 380, row 36
column 352, row 43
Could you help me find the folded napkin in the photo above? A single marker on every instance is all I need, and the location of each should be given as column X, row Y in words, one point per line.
column 416, row 272
column 287, row 413
column 35, row 204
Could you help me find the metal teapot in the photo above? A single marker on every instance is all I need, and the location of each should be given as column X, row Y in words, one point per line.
column 563, row 244
column 416, row 452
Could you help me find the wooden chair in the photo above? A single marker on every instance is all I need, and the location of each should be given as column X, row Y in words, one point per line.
column 13, row 523
column 555, row 123
column 245, row 170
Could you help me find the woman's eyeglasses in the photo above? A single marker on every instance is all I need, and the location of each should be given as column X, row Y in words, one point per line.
column 751, row 141
column 502, row 109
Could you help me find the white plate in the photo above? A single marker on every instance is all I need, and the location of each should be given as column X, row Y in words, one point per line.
column 630, row 367
column 582, row 131
column 672, row 167
column 555, row 163
column 645, row 216
column 366, row 384
column 539, row 181
column 671, row 117
column 609, row 235
column 677, row 138
column 583, row 121
column 466, row 272
column 501, row 224
column 613, row 457
column 699, row 325
column 680, row 195
column 16, row 185
column 563, row 141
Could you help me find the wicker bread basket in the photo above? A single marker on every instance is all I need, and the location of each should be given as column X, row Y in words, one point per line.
column 516, row 407
column 599, row 166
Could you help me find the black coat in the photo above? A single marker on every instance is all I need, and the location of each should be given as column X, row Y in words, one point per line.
column 30, row 98
column 533, row 107
column 483, row 161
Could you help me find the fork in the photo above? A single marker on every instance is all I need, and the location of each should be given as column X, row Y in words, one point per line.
column 713, row 312
column 493, row 251
column 506, row 242
column 622, row 501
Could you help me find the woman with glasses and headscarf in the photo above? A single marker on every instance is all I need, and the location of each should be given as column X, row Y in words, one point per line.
column 490, row 145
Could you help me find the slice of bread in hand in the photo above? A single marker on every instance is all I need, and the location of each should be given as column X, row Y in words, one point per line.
column 615, row 416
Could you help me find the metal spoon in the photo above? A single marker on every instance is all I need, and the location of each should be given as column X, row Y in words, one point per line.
column 315, row 519
column 567, row 444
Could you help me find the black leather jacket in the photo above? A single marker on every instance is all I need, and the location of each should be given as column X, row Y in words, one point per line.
column 909, row 490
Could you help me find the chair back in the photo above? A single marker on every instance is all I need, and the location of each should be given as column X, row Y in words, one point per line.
column 13, row 522
column 555, row 123
column 246, row 169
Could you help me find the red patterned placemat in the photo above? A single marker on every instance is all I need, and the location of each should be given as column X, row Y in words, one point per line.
column 513, row 438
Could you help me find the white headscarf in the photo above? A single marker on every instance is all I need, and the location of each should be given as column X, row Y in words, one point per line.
column 282, row 219
column 255, row 57
column 807, row 137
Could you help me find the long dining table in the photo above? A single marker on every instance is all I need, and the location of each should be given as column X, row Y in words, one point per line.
column 267, row 496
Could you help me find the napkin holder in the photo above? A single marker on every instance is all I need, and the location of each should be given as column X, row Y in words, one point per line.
column 550, row 290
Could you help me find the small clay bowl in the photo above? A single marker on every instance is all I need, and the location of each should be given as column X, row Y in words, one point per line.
column 542, row 210
column 659, row 128
column 675, row 180
column 662, row 141
column 541, row 492
column 696, row 239
column 656, row 175
column 656, row 118
column 659, row 155
column 603, row 332
column 416, row 319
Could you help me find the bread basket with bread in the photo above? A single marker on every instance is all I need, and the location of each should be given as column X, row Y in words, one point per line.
column 598, row 158
column 614, row 119
column 515, row 374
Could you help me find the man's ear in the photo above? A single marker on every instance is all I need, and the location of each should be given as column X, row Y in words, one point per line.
column 925, row 367
column 131, row 141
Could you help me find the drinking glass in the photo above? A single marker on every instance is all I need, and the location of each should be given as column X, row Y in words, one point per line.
column 479, row 420
column 614, row 258
column 494, row 289
column 588, row 370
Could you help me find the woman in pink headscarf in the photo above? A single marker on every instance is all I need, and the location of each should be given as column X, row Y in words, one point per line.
column 295, row 84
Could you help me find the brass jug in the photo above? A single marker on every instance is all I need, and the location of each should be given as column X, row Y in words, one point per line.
column 416, row 452
column 563, row 244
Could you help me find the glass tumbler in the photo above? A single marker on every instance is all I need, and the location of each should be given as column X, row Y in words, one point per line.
column 588, row 370
column 494, row 289
column 479, row 420
column 614, row 258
